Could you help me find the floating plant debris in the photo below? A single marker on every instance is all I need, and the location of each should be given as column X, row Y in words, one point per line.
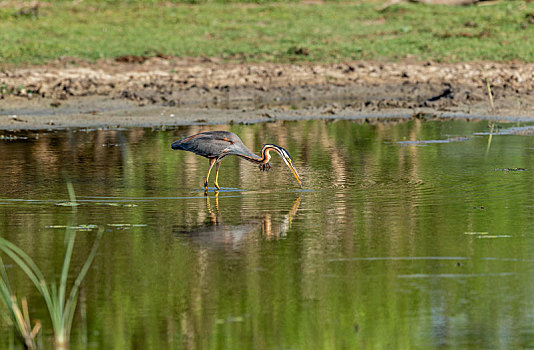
column 12, row 138
column 68, row 204
column 516, row 130
column 85, row 227
column 231, row 319
column 510, row 169
column 495, row 236
column 115, row 204
column 424, row 142
column 127, row 226
column 485, row 235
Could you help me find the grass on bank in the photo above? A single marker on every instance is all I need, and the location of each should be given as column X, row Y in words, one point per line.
column 280, row 32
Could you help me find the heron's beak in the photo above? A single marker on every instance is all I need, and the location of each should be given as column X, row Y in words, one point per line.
column 289, row 163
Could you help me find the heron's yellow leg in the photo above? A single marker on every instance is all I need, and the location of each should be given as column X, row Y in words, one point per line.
column 212, row 161
column 217, row 176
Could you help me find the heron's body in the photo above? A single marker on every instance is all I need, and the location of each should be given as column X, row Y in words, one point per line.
column 215, row 145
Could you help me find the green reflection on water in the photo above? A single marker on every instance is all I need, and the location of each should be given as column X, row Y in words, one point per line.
column 377, row 251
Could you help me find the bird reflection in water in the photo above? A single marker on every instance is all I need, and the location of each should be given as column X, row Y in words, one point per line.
column 271, row 231
column 217, row 234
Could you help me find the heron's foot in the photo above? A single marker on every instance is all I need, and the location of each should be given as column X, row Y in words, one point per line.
column 206, row 188
column 217, row 186
column 265, row 167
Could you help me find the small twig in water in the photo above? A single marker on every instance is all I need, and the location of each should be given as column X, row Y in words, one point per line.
column 490, row 96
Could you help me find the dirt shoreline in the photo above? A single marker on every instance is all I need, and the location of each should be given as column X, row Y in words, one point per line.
column 164, row 91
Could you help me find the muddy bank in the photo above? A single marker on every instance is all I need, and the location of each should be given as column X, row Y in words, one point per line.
column 167, row 91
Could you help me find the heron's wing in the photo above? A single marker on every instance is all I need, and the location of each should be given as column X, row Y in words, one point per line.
column 206, row 145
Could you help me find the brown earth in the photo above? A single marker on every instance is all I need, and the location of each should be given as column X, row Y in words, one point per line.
column 159, row 91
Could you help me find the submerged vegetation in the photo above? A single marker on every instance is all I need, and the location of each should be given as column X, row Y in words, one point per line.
column 60, row 302
column 283, row 31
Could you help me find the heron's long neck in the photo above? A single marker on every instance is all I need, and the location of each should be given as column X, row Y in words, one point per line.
column 265, row 156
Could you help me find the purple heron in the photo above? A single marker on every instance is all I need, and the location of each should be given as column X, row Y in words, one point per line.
column 215, row 145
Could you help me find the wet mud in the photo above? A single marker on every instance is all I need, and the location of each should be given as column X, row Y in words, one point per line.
column 168, row 91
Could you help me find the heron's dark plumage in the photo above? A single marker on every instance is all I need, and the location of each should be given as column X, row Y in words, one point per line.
column 214, row 144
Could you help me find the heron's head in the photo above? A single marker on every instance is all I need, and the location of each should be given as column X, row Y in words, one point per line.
column 286, row 158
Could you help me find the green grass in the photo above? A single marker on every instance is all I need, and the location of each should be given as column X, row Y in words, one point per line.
column 269, row 32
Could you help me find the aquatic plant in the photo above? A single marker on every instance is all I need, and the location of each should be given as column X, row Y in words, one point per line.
column 60, row 306
column 490, row 95
column 17, row 315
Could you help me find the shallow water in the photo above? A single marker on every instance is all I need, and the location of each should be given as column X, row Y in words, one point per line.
column 405, row 235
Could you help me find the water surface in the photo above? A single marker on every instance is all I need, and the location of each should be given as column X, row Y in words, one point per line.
column 405, row 235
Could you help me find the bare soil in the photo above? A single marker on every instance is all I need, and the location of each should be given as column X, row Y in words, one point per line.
column 163, row 91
